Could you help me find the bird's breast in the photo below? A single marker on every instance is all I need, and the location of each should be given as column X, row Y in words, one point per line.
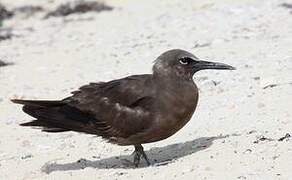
column 176, row 109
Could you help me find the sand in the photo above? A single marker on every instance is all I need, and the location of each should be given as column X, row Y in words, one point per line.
column 242, row 114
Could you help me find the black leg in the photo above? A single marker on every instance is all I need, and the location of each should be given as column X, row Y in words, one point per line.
column 139, row 151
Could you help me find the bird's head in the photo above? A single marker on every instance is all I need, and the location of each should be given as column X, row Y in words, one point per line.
column 182, row 64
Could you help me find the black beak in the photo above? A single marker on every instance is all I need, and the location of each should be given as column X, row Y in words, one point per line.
column 200, row 65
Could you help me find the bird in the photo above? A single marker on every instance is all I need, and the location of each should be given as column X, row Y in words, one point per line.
column 130, row 111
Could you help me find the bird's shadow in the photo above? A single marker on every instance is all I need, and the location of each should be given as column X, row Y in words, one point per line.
column 158, row 157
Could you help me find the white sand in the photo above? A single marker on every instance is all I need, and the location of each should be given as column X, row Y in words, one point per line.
column 55, row 56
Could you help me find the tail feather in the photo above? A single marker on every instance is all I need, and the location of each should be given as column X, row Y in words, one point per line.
column 46, row 126
column 40, row 103
column 53, row 116
column 54, row 130
column 34, row 123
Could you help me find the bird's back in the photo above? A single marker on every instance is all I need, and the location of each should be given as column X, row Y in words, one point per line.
column 115, row 109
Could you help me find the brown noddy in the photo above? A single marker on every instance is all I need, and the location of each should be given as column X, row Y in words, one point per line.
column 133, row 110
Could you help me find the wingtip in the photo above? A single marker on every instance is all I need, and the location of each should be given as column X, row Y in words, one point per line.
column 14, row 100
column 17, row 101
column 25, row 124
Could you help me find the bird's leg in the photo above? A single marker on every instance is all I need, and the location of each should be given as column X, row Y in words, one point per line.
column 139, row 151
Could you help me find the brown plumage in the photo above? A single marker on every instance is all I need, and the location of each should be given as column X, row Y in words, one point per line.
column 133, row 110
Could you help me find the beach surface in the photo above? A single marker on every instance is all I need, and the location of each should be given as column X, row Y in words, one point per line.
column 243, row 121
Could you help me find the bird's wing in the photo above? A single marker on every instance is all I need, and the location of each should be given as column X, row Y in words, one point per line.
column 120, row 108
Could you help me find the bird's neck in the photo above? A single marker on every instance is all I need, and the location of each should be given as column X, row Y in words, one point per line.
column 173, row 82
column 174, row 90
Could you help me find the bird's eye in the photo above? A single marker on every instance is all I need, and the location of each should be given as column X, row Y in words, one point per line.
column 185, row 61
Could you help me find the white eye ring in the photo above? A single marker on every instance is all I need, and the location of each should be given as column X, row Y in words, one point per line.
column 184, row 61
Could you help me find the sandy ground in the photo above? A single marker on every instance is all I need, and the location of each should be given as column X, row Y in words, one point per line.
column 241, row 114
